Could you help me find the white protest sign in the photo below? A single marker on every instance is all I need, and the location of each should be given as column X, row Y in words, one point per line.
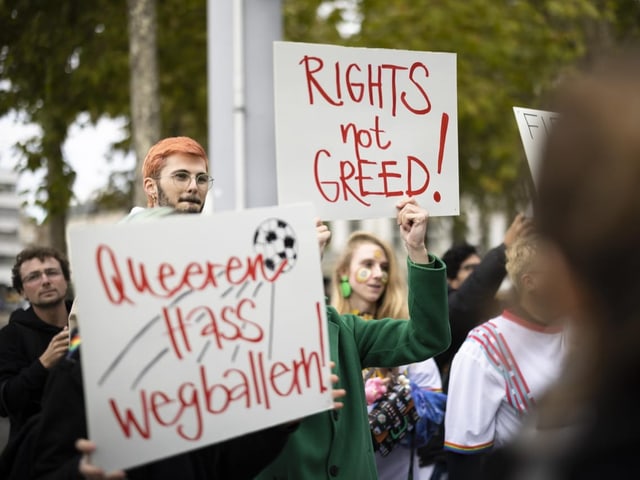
column 199, row 328
column 358, row 128
column 534, row 127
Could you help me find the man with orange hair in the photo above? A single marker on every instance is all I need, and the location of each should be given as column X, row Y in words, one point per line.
column 176, row 174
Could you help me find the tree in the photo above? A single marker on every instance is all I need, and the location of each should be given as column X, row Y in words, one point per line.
column 58, row 59
column 144, row 84
column 118, row 193
column 303, row 23
column 179, row 104
column 182, row 63
column 510, row 53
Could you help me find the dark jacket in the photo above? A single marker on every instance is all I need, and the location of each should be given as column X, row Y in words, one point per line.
column 22, row 376
column 473, row 303
column 50, row 449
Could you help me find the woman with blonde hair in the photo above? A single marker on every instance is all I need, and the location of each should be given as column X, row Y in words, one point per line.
column 366, row 266
column 367, row 281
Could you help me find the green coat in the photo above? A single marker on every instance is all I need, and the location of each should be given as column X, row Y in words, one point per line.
column 337, row 444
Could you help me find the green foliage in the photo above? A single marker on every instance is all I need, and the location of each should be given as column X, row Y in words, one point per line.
column 303, row 24
column 625, row 19
column 58, row 59
column 61, row 59
column 182, row 62
column 118, row 193
column 509, row 53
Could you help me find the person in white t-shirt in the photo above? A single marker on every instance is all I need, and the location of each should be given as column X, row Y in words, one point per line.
column 505, row 364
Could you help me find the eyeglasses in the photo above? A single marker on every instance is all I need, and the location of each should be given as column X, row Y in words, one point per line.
column 183, row 179
column 34, row 277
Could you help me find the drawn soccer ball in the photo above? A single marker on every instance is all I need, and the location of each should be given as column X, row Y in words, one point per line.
column 276, row 241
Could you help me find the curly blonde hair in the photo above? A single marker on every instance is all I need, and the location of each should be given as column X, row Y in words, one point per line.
column 521, row 258
column 393, row 301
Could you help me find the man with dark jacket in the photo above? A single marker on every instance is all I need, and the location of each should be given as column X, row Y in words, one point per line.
column 62, row 421
column 35, row 339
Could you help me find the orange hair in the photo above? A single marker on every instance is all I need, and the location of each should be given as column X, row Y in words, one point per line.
column 155, row 159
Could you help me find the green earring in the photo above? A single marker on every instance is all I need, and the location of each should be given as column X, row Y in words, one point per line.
column 345, row 287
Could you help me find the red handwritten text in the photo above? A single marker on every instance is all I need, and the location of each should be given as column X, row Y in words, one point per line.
column 121, row 278
column 229, row 324
column 186, row 408
column 362, row 176
column 382, row 86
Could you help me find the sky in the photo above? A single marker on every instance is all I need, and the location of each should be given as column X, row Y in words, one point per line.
column 86, row 150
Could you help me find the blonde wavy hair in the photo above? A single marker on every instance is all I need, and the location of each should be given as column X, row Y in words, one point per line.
column 521, row 258
column 393, row 301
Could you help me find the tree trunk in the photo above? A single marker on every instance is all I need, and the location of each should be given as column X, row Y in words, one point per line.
column 59, row 180
column 58, row 200
column 145, row 98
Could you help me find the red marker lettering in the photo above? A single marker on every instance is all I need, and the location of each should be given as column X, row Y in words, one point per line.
column 313, row 84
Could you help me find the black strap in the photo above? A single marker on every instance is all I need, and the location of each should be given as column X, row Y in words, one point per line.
column 4, row 411
column 413, row 453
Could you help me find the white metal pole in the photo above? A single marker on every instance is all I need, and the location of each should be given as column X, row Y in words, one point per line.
column 239, row 105
column 220, row 105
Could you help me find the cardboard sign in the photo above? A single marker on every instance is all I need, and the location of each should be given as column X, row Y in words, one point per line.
column 199, row 328
column 534, row 127
column 358, row 128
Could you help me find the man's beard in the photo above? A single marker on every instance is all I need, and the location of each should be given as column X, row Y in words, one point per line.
column 163, row 201
column 46, row 304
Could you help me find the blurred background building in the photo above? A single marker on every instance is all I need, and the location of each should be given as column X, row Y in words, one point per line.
column 11, row 239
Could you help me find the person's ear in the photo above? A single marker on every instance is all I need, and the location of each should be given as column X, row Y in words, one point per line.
column 150, row 188
column 527, row 282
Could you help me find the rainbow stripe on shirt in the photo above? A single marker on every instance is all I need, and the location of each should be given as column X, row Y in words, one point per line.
column 468, row 449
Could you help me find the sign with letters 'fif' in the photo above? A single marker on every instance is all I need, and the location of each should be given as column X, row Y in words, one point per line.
column 199, row 328
column 358, row 128
column 534, row 127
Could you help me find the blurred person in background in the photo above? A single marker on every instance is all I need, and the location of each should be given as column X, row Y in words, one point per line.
column 506, row 364
column 588, row 425
column 473, row 285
